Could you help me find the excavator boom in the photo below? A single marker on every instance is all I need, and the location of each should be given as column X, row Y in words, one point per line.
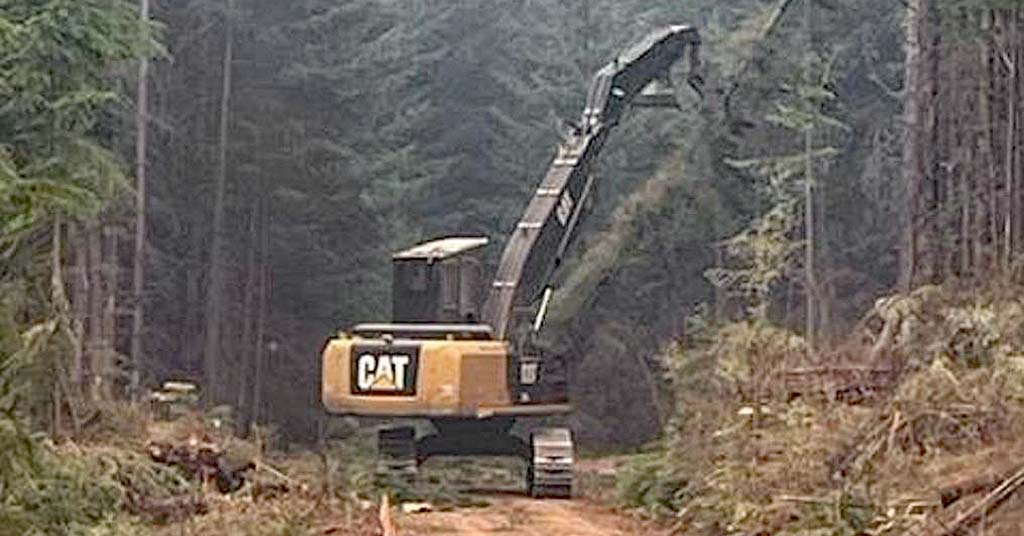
column 539, row 241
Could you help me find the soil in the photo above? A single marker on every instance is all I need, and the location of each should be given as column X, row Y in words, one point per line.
column 512, row 512
column 524, row 516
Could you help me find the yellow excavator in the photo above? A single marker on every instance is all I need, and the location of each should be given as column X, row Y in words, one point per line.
column 466, row 356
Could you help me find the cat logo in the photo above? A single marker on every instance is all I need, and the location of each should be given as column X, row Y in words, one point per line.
column 384, row 370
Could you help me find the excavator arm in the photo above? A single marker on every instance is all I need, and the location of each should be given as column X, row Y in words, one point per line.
column 538, row 244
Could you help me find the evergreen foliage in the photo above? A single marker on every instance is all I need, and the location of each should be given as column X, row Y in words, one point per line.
column 56, row 165
column 56, row 90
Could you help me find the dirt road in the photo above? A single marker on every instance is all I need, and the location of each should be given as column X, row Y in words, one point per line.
column 514, row 513
column 527, row 517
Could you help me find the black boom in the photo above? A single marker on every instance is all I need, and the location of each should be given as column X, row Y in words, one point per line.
column 538, row 243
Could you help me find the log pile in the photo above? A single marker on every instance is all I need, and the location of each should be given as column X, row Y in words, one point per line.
column 202, row 461
column 846, row 384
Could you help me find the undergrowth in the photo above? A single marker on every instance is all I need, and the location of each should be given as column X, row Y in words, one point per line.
column 104, row 482
column 743, row 455
column 79, row 489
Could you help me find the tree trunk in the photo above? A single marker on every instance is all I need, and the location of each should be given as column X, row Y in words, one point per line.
column 929, row 202
column 985, row 193
column 826, row 289
column 811, row 283
column 1010, row 142
column 245, row 355
column 193, row 307
column 95, row 346
column 111, row 265
column 261, row 319
column 79, row 283
column 56, row 405
column 62, row 393
column 913, row 167
column 959, row 151
column 138, row 273
column 214, row 301
column 57, row 299
column 1015, row 214
column 257, row 397
column 719, row 293
column 1017, row 210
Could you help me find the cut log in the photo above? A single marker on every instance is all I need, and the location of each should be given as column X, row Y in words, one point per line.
column 202, row 461
column 964, row 487
column 970, row 517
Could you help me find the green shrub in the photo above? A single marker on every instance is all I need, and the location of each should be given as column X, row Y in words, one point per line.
column 75, row 490
column 651, row 482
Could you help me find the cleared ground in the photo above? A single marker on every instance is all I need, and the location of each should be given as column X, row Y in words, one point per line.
column 510, row 512
column 524, row 516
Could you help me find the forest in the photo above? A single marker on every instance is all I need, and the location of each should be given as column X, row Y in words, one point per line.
column 206, row 190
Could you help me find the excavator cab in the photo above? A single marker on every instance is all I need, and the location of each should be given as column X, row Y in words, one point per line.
column 439, row 281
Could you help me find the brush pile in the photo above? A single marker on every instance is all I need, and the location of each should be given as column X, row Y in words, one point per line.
column 71, row 488
column 202, row 461
column 934, row 451
column 129, row 474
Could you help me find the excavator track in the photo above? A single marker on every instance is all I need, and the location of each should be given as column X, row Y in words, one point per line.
column 396, row 453
column 550, row 467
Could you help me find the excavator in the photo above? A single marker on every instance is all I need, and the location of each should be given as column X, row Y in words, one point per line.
column 468, row 357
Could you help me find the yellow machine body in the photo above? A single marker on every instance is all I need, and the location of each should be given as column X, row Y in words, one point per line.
column 453, row 378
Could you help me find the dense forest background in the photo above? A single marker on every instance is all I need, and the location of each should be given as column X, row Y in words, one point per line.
column 282, row 150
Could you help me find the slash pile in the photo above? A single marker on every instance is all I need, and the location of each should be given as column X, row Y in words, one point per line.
column 934, row 450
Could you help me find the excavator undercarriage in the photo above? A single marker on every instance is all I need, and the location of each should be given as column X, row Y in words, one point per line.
column 467, row 357
column 548, row 455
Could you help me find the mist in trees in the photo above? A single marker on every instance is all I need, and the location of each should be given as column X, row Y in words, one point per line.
column 208, row 189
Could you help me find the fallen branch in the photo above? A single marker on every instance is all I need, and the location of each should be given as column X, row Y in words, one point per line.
column 263, row 466
column 850, row 384
column 955, row 491
column 982, row 508
column 824, row 501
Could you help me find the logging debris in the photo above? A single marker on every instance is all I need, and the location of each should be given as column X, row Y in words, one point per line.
column 202, row 461
column 863, row 439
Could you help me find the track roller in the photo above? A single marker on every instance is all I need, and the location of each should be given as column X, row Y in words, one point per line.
column 549, row 469
column 396, row 453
